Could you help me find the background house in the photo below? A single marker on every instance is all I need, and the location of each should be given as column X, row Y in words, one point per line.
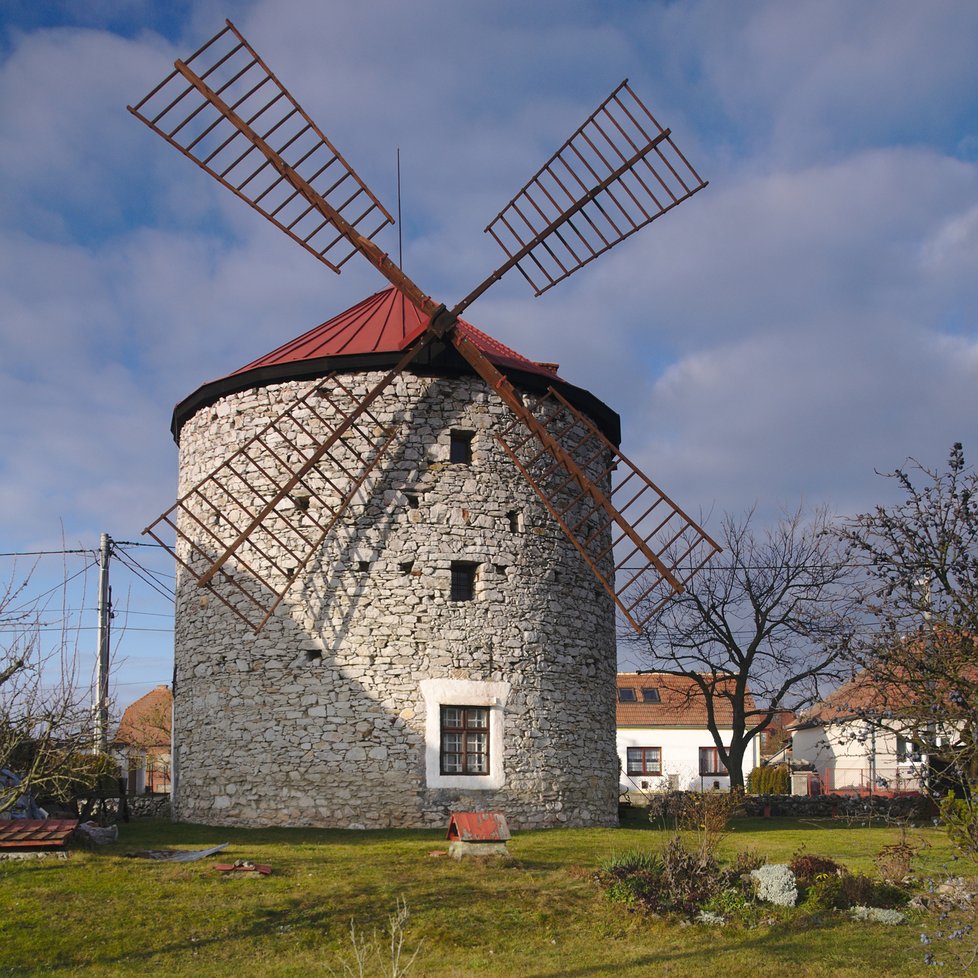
column 142, row 742
column 663, row 739
column 856, row 742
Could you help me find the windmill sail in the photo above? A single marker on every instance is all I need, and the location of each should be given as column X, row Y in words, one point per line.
column 638, row 543
column 241, row 530
column 225, row 110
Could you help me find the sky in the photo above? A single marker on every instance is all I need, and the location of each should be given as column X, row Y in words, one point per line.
column 806, row 322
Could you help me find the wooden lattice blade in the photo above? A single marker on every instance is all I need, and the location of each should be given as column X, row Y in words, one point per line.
column 225, row 110
column 249, row 528
column 639, row 544
column 618, row 172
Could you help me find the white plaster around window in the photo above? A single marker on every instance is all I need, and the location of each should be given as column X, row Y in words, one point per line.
column 464, row 692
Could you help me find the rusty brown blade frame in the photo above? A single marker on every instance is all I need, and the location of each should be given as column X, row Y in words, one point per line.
column 300, row 503
column 617, row 523
column 220, row 105
column 618, row 172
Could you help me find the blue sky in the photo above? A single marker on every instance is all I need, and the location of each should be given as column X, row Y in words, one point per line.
column 808, row 319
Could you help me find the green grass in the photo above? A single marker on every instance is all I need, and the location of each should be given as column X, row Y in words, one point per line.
column 100, row 914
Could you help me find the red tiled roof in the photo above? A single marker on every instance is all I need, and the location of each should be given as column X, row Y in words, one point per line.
column 36, row 833
column 147, row 722
column 383, row 323
column 681, row 704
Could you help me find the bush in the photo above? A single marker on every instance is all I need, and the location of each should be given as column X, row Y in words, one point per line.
column 747, row 860
column 960, row 818
column 771, row 780
column 632, row 861
column 680, row 882
column 776, row 884
column 893, row 862
column 808, row 867
column 846, row 890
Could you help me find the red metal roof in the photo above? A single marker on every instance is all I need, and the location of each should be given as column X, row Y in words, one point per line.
column 383, row 323
column 370, row 336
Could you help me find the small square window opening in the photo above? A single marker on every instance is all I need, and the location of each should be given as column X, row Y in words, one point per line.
column 463, row 581
column 460, row 447
column 650, row 694
column 627, row 695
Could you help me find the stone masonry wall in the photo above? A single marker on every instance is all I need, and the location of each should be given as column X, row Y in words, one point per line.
column 319, row 720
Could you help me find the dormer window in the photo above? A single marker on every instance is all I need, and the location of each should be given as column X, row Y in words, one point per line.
column 460, row 447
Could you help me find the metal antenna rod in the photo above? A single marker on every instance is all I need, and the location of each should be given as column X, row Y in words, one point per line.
column 400, row 236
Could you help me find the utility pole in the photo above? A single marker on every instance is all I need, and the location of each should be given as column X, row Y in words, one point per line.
column 104, row 628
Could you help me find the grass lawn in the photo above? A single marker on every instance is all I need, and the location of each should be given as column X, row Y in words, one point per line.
column 100, row 914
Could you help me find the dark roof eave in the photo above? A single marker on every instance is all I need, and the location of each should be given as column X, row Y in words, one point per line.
column 207, row 394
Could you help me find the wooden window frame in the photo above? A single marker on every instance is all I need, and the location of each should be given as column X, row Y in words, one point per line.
column 717, row 768
column 626, row 694
column 467, row 727
column 646, row 770
column 650, row 694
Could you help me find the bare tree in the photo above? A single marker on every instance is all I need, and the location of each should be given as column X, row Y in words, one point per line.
column 921, row 591
column 759, row 630
column 45, row 717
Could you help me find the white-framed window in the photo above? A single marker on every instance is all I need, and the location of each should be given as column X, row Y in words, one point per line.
column 464, row 728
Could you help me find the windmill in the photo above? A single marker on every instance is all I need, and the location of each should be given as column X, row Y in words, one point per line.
column 620, row 170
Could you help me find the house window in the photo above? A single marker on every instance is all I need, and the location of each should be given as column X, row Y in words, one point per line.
column 710, row 763
column 650, row 694
column 463, row 581
column 907, row 751
column 460, row 447
column 627, row 695
column 465, row 740
column 644, row 760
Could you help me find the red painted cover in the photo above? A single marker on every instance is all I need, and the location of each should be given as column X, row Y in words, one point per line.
column 478, row 827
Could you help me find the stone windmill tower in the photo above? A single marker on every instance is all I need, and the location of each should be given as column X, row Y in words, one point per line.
column 401, row 543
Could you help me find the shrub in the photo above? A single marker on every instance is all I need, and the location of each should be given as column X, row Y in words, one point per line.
column 893, row 862
column 846, row 890
column 707, row 814
column 878, row 915
column 771, row 780
column 807, row 867
column 776, row 884
column 747, row 860
column 960, row 819
column 679, row 882
column 633, row 861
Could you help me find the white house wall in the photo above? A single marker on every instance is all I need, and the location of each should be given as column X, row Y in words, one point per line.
column 855, row 754
column 680, row 748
